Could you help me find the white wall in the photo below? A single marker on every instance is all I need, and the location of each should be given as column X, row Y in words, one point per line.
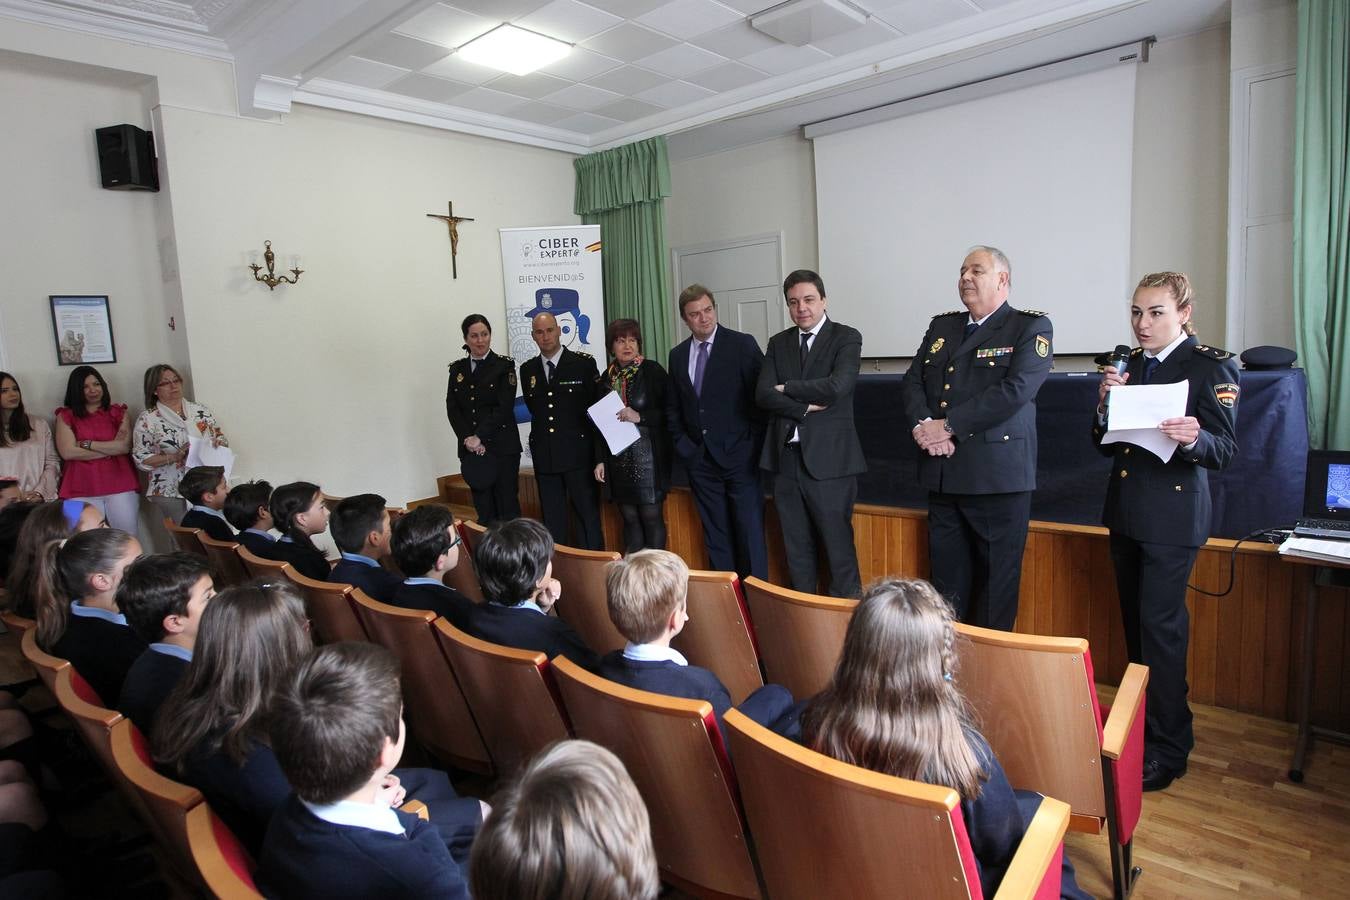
column 341, row 378
column 62, row 233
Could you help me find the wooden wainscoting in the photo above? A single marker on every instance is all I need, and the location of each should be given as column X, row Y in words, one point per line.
column 1246, row 648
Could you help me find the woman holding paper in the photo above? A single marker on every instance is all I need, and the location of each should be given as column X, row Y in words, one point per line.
column 639, row 476
column 93, row 437
column 160, row 443
column 1159, row 512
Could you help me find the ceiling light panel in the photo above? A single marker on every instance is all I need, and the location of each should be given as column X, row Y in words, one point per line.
column 514, row 50
column 801, row 22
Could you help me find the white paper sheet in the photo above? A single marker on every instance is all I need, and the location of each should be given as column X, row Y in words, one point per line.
column 1134, row 411
column 619, row 435
column 1312, row 548
column 202, row 453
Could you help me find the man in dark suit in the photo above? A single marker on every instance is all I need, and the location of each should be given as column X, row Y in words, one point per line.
column 718, row 432
column 969, row 398
column 811, row 446
column 559, row 386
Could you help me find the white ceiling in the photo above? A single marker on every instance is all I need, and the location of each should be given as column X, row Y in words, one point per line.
column 692, row 69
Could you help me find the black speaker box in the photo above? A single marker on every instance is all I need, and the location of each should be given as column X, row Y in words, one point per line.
column 126, row 158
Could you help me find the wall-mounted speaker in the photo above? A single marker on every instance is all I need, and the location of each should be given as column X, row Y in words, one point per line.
column 126, row 158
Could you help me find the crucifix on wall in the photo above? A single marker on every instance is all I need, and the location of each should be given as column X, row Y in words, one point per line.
column 452, row 221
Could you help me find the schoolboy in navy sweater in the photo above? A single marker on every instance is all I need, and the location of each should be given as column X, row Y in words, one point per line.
column 426, row 547
column 360, row 528
column 246, row 509
column 203, row 487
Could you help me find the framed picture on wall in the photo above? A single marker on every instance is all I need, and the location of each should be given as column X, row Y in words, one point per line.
column 82, row 327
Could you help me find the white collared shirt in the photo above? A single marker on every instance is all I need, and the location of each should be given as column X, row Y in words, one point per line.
column 693, row 351
column 971, row 320
column 653, row 653
column 810, row 342
column 545, row 360
column 1167, row 351
column 372, row 816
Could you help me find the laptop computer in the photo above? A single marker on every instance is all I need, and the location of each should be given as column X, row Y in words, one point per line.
column 1326, row 496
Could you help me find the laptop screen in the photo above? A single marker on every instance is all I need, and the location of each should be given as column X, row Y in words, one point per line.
column 1326, row 494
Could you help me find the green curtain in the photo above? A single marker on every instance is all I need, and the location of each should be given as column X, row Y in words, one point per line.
column 1322, row 217
column 622, row 191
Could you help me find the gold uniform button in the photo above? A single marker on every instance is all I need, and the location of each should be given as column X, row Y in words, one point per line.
column 1127, row 451
column 943, row 404
column 946, row 387
column 1123, row 473
column 1178, row 487
column 991, row 362
column 550, row 431
column 550, row 406
column 1005, row 437
column 951, row 368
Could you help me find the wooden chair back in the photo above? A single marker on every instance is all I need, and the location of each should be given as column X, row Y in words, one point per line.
column 513, row 730
column 332, row 615
column 824, row 828
column 583, row 604
column 43, row 662
column 17, row 623
column 434, row 704
column 226, row 567
column 85, row 708
column 674, row 752
column 717, row 635
column 472, row 533
column 1038, row 710
column 222, row 862
column 464, row 576
column 167, row 802
column 257, row 567
column 187, row 539
column 331, row 501
column 800, row 635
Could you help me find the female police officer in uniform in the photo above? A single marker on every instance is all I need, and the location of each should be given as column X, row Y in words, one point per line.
column 1159, row 512
column 480, row 400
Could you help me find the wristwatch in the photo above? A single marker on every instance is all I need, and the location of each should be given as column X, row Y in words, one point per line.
column 947, row 427
column 87, row 445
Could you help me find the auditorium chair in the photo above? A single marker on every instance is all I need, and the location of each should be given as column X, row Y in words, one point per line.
column 85, row 708
column 266, row 569
column 823, row 828
column 17, row 623
column 186, row 539
column 434, row 706
column 515, row 729
column 223, row 864
column 717, row 635
column 673, row 750
column 1037, row 706
column 227, row 569
column 166, row 802
column 583, row 604
column 43, row 662
column 332, row 614
column 464, row 576
column 800, row 635
column 471, row 532
column 330, row 501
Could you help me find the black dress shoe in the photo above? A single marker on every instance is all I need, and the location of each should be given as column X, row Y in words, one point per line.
column 1158, row 776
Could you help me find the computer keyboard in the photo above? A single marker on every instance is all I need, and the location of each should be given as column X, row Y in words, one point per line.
column 1327, row 528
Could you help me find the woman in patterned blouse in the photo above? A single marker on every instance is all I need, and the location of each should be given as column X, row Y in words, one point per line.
column 159, row 444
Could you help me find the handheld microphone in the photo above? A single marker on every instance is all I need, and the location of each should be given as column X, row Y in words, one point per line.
column 1120, row 358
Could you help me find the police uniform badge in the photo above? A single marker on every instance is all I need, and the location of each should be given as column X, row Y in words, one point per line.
column 1042, row 346
column 937, row 345
column 459, row 377
column 1226, row 394
column 511, row 378
column 532, row 381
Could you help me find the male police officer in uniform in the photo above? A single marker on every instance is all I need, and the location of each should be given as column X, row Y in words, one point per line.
column 559, row 386
column 480, row 403
column 969, row 397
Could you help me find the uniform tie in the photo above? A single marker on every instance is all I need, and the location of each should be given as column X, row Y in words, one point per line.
column 1150, row 366
column 970, row 329
column 473, row 365
column 806, row 346
column 700, row 363
column 552, row 371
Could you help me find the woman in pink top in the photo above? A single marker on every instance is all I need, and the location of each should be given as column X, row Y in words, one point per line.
column 93, row 436
column 27, row 453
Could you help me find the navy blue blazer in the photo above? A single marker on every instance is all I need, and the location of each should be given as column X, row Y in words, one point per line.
column 216, row 528
column 525, row 629
column 439, row 598
column 257, row 544
column 767, row 705
column 377, row 581
column 310, row 563
column 102, row 652
column 151, row 677
column 305, row 857
column 724, row 422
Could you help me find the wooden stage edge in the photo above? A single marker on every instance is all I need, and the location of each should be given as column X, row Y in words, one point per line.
column 1246, row 650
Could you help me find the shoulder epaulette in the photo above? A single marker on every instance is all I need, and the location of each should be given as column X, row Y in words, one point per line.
column 583, row 353
column 1034, row 313
column 509, row 359
column 955, row 312
column 1212, row 352
column 1136, row 351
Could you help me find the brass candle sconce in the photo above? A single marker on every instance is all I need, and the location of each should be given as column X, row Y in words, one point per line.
column 271, row 279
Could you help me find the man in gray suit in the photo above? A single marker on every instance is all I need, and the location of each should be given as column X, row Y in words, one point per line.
column 806, row 387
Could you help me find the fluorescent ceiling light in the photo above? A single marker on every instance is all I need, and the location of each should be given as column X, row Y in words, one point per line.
column 801, row 22
column 514, row 50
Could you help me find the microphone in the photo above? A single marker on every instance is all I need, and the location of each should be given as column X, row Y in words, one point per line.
column 1119, row 359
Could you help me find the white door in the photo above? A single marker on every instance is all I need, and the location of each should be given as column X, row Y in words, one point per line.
column 746, row 277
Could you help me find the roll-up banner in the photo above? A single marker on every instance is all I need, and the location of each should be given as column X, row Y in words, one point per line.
column 555, row 270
